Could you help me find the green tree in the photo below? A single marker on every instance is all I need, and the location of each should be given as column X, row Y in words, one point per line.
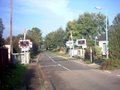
column 91, row 24
column 1, row 32
column 114, row 41
column 87, row 26
column 35, row 36
column 116, row 20
column 55, row 39
column 15, row 40
column 72, row 28
column 49, row 40
column 59, row 37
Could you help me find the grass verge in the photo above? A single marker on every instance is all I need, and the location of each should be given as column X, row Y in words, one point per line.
column 14, row 77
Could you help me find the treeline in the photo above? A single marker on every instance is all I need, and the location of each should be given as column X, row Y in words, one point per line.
column 114, row 42
column 55, row 39
column 2, row 41
column 34, row 35
column 88, row 26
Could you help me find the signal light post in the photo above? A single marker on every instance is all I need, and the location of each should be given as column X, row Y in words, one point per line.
column 106, row 33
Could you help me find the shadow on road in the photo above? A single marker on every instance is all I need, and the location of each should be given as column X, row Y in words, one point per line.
column 33, row 79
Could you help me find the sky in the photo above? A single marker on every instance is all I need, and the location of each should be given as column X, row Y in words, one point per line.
column 49, row 15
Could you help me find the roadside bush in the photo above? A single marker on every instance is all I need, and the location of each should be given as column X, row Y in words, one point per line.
column 109, row 64
column 97, row 53
column 13, row 77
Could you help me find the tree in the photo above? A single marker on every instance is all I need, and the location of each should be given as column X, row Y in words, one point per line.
column 15, row 40
column 114, row 41
column 1, row 32
column 116, row 20
column 35, row 36
column 72, row 27
column 87, row 26
column 55, row 39
column 49, row 40
column 91, row 24
column 59, row 37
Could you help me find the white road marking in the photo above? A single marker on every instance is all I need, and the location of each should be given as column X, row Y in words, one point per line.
column 64, row 67
column 50, row 66
column 52, row 59
column 59, row 64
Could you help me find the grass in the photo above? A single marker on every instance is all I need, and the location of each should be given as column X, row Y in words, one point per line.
column 14, row 77
column 88, row 62
column 60, row 53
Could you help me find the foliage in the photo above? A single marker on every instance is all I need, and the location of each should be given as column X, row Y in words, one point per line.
column 114, row 45
column 35, row 36
column 14, row 77
column 97, row 53
column 110, row 64
column 15, row 40
column 1, row 32
column 59, row 37
column 114, row 42
column 87, row 26
column 72, row 27
column 116, row 20
column 49, row 40
column 55, row 39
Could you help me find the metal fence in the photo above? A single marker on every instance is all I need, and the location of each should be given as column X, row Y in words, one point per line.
column 21, row 58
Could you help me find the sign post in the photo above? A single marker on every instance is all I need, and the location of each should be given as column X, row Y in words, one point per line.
column 82, row 43
column 70, row 44
column 25, row 46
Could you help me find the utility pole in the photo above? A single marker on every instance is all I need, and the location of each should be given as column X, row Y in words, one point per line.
column 106, row 34
column 107, row 38
column 72, row 43
column 25, row 34
column 11, row 50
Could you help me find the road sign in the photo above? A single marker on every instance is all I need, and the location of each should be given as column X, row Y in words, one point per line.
column 69, row 43
column 25, row 44
column 81, row 42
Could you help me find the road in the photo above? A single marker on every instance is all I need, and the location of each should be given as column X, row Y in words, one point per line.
column 65, row 74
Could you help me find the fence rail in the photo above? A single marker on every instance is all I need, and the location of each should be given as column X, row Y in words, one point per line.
column 22, row 58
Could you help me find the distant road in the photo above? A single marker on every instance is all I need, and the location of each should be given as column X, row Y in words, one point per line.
column 68, row 75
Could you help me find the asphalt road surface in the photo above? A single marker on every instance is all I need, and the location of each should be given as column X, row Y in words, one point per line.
column 65, row 74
